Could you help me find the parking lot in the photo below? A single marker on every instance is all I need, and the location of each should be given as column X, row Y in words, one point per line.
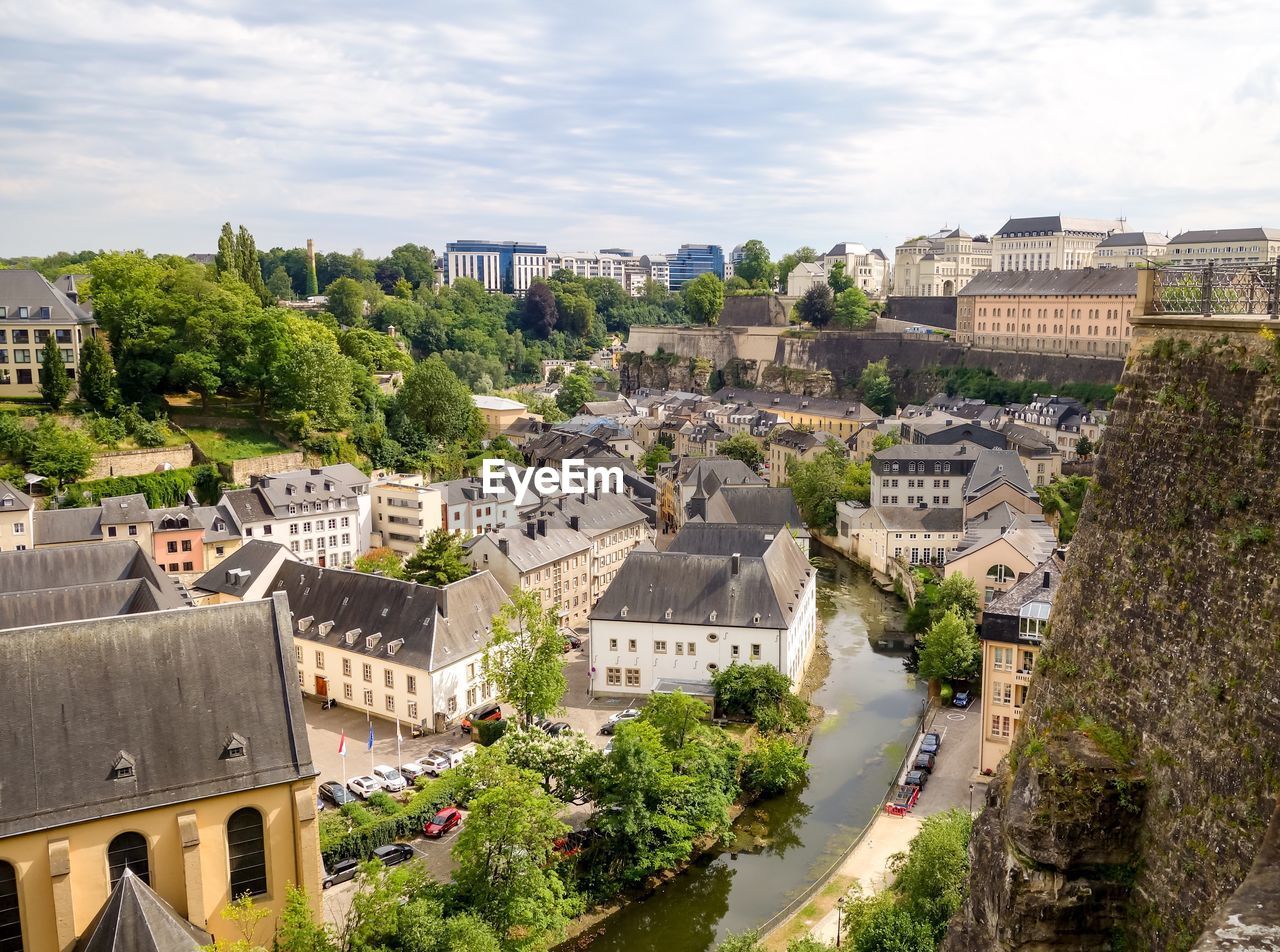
column 956, row 766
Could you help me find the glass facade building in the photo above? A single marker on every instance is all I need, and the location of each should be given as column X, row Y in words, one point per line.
column 508, row 266
column 693, row 260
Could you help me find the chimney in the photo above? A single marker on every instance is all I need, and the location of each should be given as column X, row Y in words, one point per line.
column 542, row 527
column 573, row 523
column 1044, row 582
column 737, row 562
column 504, row 546
column 530, row 530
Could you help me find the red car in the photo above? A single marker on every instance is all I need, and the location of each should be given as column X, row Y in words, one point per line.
column 487, row 712
column 444, row 821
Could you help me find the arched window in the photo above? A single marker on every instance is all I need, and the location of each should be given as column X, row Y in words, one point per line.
column 1001, row 573
column 10, row 920
column 128, row 850
column 247, row 853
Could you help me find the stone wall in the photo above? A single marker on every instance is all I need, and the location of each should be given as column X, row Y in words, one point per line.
column 140, row 462
column 1137, row 794
column 239, row 471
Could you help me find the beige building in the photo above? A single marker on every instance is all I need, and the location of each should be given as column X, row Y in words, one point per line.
column 879, row 535
column 197, row 808
column 17, row 518
column 1083, row 312
column 1061, row 421
column 941, row 264
column 1049, row 242
column 999, row 547
column 841, row 418
column 1225, row 246
column 788, row 444
column 405, row 511
column 610, row 522
column 499, row 413
column 31, row 311
column 1131, row 249
column 544, row 555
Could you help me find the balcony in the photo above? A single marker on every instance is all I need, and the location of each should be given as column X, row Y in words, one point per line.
column 1022, row 677
column 1216, row 290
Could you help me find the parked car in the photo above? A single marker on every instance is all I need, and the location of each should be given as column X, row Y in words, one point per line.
column 932, row 743
column 961, row 699
column 364, row 787
column 924, row 762
column 446, row 819
column 575, row 842
column 916, row 778
column 436, row 761
column 487, row 712
column 571, row 641
column 608, row 748
column 621, row 717
column 393, row 854
column 335, row 793
column 343, row 870
column 412, row 770
column 557, row 728
column 390, row 778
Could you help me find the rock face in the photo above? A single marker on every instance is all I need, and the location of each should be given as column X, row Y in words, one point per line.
column 1137, row 794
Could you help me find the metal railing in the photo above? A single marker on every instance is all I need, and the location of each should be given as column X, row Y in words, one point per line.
column 1247, row 289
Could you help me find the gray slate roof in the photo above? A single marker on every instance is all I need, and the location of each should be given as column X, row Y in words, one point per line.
column 20, row 288
column 165, row 691
column 597, row 514
column 906, row 519
column 1029, row 589
column 1052, row 224
column 691, row 586
column 825, row 406
column 255, row 558
column 63, row 526
column 993, row 467
column 528, row 552
column 270, row 496
column 755, row 505
column 1029, row 535
column 13, row 496
column 1226, row 234
column 1133, row 239
column 721, row 538
column 1073, row 283
column 135, row 919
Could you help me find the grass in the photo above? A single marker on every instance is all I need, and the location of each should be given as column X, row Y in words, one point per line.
column 225, row 446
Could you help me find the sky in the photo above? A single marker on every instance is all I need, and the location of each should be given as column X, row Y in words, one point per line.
column 588, row 125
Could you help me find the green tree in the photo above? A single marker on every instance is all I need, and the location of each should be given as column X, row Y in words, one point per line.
column 774, row 765
column 312, row 375
column 755, row 267
column 830, row 477
column 837, row 280
column 438, row 404
column 760, row 692
column 565, row 765
column 816, row 306
column 297, row 930
column 655, row 456
column 346, row 301
column 440, row 561
column 853, row 310
column 97, row 378
column 538, row 312
column 55, row 385
column 524, row 661
column 950, row 648
column 1084, row 447
column 929, row 880
column 374, row 351
column 877, row 388
column 956, row 592
column 703, row 298
column 416, row 263
column 884, row 441
column 59, row 454
column 575, row 390
column 742, row 447
column 279, row 285
column 879, row 924
column 504, row 870
column 199, row 371
column 1062, row 501
column 676, row 715
column 380, row 561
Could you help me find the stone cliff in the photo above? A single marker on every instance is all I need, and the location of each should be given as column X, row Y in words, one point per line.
column 1137, row 795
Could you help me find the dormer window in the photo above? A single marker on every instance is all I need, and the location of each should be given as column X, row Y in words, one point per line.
column 123, row 768
column 372, row 641
column 305, row 622
column 394, row 646
column 325, row 628
column 667, row 615
column 713, row 617
column 623, row 613
column 352, row 635
column 234, row 747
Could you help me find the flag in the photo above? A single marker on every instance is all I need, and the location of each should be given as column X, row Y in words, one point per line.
column 342, row 745
column 371, row 737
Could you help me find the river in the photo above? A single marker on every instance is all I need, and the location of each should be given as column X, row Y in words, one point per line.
column 784, row 844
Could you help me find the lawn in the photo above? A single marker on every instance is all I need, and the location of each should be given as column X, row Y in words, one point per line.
column 225, row 446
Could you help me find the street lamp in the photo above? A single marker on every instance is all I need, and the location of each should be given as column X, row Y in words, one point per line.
column 970, row 798
column 840, row 917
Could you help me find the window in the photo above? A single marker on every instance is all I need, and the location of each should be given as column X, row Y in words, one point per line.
column 187, row 566
column 247, row 853
column 413, row 710
column 411, row 683
column 471, row 697
column 679, row 647
column 613, row 644
column 133, row 530
column 391, row 703
column 389, row 678
column 1033, row 620
column 733, row 651
column 693, row 648
column 633, row 677
column 171, row 547
column 613, row 675
column 1001, row 574
column 367, row 671
column 755, row 652
column 631, row 644
column 297, row 650
column 346, row 667
column 453, row 705
column 368, row 698
column 10, row 919
column 347, row 692
column 111, row 532
column 186, row 545
column 660, row 647
column 127, row 851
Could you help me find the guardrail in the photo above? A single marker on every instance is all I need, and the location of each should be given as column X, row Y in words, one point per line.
column 931, row 706
column 1218, row 289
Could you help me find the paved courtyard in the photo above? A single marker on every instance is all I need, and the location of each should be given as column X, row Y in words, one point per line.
column 956, row 767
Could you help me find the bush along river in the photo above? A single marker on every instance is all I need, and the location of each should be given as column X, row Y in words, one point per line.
column 783, row 845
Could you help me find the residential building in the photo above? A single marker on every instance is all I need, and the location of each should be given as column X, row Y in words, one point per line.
column 692, row 475
column 17, row 519
column 617, row 435
column 31, row 311
column 1013, row 629
column 1040, row 457
column 786, row 444
column 499, row 413
column 998, row 478
column 405, row 511
column 210, row 795
column 698, row 438
column 879, row 535
column 1225, row 246
column 1059, row 312
column 657, row 269
column 1131, row 249
column 671, row 620
column 544, row 555
column 937, row 429
column 322, row 514
column 1049, row 243
column 693, row 260
column 772, row 506
column 1000, row 546
column 1061, row 420
column 868, row 269
column 506, row 266
column 861, row 442
column 525, row 429
column 468, row 510
column 929, row 475
column 842, row 418
column 939, row 265
column 177, row 539
column 613, row 525
column 116, row 517
column 245, row 575
column 804, row 276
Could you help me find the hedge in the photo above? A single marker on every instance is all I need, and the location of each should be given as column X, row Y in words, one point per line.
column 369, row 830
column 168, row 488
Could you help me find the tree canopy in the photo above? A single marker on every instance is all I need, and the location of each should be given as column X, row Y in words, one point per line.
column 816, row 306
column 525, row 660
column 703, row 298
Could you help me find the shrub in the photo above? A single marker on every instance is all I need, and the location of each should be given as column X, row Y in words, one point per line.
column 355, row 831
column 773, row 766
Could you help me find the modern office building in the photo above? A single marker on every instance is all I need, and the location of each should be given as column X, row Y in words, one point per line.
column 31, row 309
column 507, row 266
column 693, row 260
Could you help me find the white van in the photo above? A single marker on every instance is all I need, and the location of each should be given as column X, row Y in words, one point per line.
column 389, row 777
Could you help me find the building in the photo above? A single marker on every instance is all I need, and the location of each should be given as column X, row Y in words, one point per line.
column 999, row 547
column 786, row 444
column 469, row 510
column 1040, row 457
column 1061, row 420
column 545, row 555
column 611, row 523
column 693, row 260
column 805, row 276
column 939, row 265
column 886, row 537
column 926, row 474
column 1058, row 312
column 208, row 796
column 506, row 266
column 658, row 270
column 1131, row 249
column 868, row 269
column 1013, row 629
column 937, row 429
column 842, row 418
column 772, row 506
column 116, row 517
column 322, row 514
column 1049, row 243
column 690, row 476
column 729, row 595
column 499, row 413
column 17, row 519
column 405, row 511
column 1225, row 246
column 31, row 311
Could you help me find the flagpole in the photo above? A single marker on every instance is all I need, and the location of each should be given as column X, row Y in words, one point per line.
column 398, row 760
column 342, row 752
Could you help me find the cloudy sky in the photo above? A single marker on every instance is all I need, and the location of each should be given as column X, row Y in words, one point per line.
column 643, row 125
